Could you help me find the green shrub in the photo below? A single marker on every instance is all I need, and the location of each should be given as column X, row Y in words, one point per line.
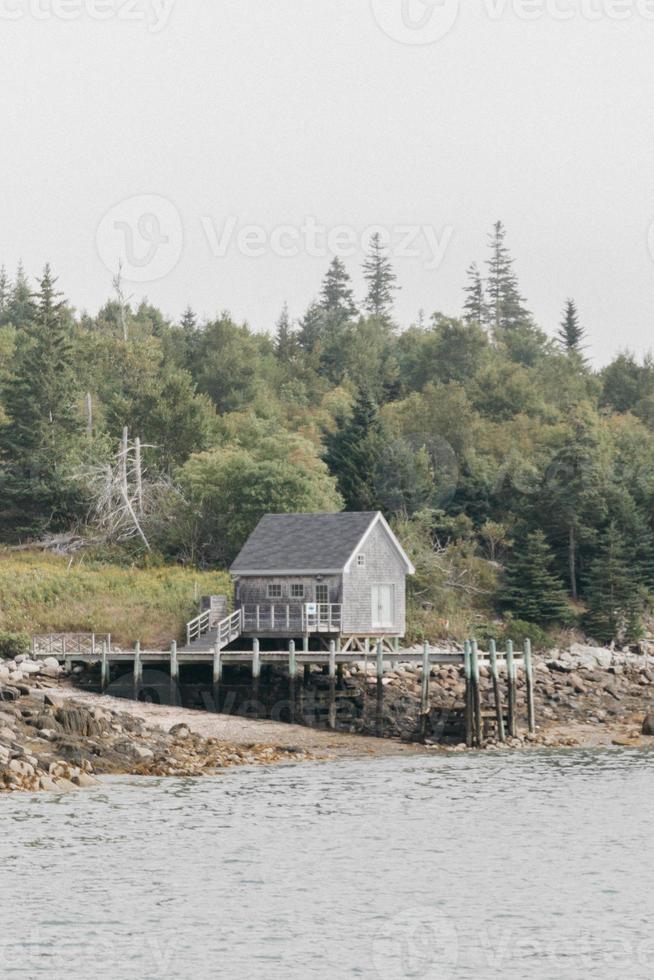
column 13, row 644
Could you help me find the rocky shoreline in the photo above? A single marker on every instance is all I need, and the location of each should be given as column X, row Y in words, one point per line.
column 51, row 740
column 56, row 738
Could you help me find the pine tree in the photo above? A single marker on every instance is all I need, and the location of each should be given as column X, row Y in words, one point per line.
column 43, row 417
column 5, row 294
column 533, row 591
column 286, row 342
column 381, row 279
column 21, row 309
column 612, row 593
column 351, row 454
column 506, row 309
column 475, row 308
column 312, row 329
column 189, row 322
column 571, row 334
column 336, row 297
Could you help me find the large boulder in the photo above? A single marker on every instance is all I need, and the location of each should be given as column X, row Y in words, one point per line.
column 588, row 657
column 648, row 725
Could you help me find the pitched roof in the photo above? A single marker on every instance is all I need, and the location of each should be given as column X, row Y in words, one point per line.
column 310, row 543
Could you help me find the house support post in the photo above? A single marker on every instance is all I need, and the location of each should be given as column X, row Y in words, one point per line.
column 476, row 686
column 256, row 667
column 217, row 676
column 469, row 698
column 529, row 679
column 138, row 670
column 511, row 679
column 104, row 668
column 174, row 675
column 424, row 693
column 497, row 694
column 331, row 717
column 379, row 727
column 292, row 679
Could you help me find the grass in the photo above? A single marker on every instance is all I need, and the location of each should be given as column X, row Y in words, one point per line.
column 43, row 593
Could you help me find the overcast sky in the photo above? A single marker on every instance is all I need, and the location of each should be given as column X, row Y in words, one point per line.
column 227, row 147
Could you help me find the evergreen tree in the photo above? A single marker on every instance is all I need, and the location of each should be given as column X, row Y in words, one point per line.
column 5, row 294
column 381, row 279
column 572, row 500
column 506, row 309
column 312, row 329
column 189, row 322
column 613, row 595
column 43, row 417
column 21, row 309
column 571, row 334
column 336, row 298
column 351, row 454
column 286, row 344
column 533, row 591
column 475, row 308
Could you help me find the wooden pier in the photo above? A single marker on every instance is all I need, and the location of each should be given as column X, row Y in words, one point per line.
column 502, row 667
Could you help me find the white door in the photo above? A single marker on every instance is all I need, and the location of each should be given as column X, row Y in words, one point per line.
column 382, row 606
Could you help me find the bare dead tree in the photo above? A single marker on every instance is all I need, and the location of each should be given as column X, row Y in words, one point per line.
column 117, row 283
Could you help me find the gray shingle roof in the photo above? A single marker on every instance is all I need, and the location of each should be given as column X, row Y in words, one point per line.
column 302, row 542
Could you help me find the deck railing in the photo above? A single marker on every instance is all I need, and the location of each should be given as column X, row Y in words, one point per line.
column 292, row 618
column 62, row 644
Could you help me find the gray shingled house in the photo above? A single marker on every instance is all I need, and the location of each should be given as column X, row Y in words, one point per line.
column 337, row 576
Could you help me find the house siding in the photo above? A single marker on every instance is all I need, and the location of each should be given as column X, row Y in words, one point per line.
column 254, row 589
column 383, row 566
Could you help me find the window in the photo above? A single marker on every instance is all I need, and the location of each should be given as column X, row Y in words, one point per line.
column 361, row 561
column 274, row 590
column 322, row 594
column 297, row 590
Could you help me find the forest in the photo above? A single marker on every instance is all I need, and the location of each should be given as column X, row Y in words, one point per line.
column 520, row 479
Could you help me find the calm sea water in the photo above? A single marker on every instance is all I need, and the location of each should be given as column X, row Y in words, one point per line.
column 536, row 866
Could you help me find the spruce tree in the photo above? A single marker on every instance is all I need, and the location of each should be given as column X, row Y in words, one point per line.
column 43, row 416
column 351, row 454
column 381, row 279
column 311, row 334
column 5, row 294
column 475, row 308
column 21, row 309
column 533, row 591
column 336, row 298
column 286, row 343
column 612, row 592
column 571, row 334
column 506, row 307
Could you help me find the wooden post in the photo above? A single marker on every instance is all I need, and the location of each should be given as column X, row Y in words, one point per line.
column 478, row 719
column 217, row 676
column 174, row 675
column 104, row 668
column 380, row 688
column 307, row 667
column 138, row 476
column 424, row 694
column 331, row 718
column 138, row 670
column 529, row 678
column 89, row 415
column 292, row 677
column 499, row 710
column 510, row 674
column 469, row 711
column 256, row 667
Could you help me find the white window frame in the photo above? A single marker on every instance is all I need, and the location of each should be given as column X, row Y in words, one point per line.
column 279, row 593
column 297, row 590
column 361, row 560
column 322, row 602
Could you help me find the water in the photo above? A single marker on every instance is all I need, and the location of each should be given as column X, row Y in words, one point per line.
column 534, row 866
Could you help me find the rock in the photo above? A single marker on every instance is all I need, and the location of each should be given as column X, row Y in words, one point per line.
column 6, row 735
column 47, row 784
column 51, row 662
column 180, row 731
column 83, row 780
column 612, row 689
column 648, row 725
column 30, row 668
column 576, row 682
